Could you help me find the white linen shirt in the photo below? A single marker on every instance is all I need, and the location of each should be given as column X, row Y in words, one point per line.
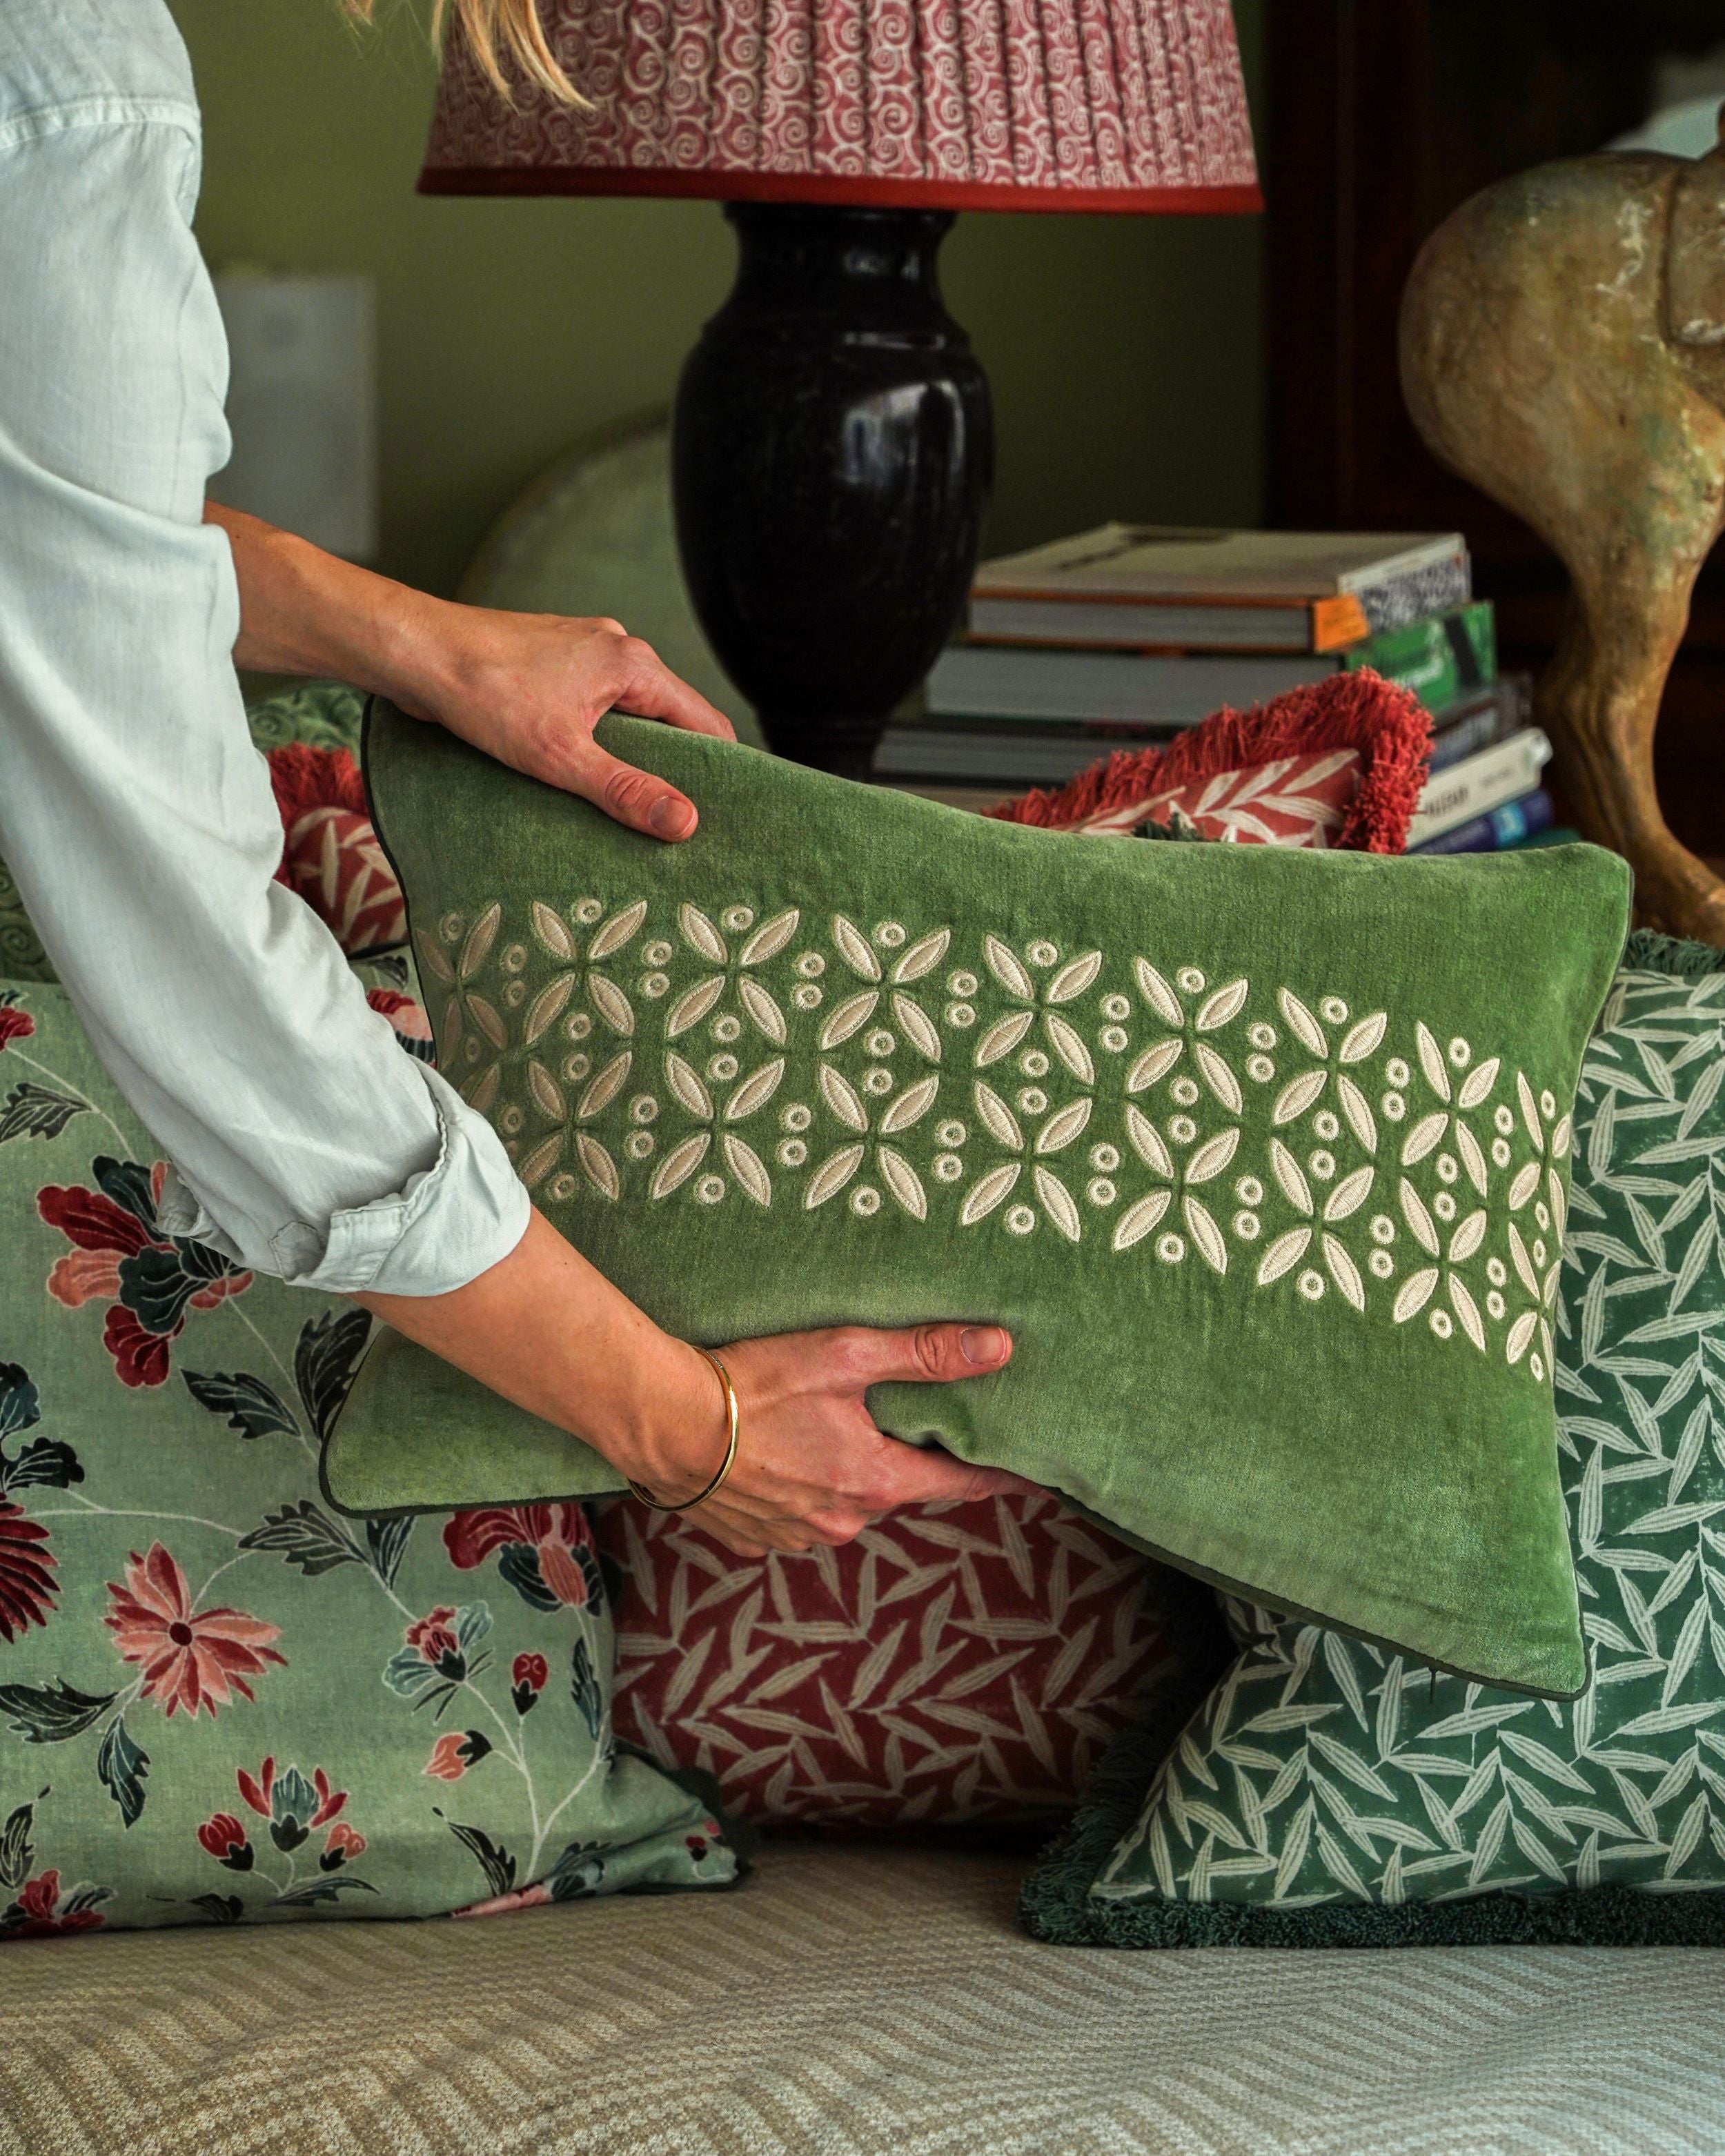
column 135, row 813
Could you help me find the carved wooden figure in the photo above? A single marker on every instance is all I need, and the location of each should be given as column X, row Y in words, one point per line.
column 1562, row 346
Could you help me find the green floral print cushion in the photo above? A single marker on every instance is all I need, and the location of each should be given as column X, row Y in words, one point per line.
column 1261, row 1152
column 219, row 1702
column 1328, row 1791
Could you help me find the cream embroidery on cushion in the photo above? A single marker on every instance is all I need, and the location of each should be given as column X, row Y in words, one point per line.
column 1392, row 1169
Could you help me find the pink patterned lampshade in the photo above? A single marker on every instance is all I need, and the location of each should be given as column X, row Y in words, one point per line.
column 1028, row 104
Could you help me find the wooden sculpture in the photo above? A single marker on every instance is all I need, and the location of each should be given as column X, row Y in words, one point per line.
column 1562, row 346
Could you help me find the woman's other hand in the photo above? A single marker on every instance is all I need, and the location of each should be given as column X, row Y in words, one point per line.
column 811, row 1466
column 527, row 688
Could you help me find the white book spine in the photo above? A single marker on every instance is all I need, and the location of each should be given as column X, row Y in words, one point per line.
column 1478, row 785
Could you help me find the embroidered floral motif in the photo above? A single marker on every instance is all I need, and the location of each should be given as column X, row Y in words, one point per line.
column 1264, row 1130
column 43, row 1907
column 294, row 1808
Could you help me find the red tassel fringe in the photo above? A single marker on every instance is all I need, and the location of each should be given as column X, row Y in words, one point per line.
column 305, row 778
column 1388, row 727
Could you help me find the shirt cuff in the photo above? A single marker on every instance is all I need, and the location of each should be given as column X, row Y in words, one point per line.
column 444, row 1228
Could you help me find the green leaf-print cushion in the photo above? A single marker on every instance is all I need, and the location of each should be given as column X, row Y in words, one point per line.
column 219, row 1701
column 1329, row 1791
column 1262, row 1153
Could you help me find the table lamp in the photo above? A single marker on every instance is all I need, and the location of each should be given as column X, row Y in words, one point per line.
column 832, row 442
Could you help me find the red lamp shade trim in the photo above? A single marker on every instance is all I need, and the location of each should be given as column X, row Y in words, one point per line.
column 1135, row 105
column 720, row 185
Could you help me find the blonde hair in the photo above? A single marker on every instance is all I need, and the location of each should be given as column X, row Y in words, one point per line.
column 497, row 31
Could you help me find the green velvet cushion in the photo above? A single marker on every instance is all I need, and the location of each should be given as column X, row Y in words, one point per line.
column 218, row 1702
column 1261, row 1153
column 1328, row 1793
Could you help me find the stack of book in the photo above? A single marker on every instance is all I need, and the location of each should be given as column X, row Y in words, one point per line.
column 1119, row 638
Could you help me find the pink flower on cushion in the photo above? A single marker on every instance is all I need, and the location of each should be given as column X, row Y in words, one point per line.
column 190, row 1659
column 455, row 1752
column 86, row 1277
column 341, row 1845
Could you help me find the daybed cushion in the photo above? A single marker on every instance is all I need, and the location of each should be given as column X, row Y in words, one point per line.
column 1191, row 1118
column 847, row 2002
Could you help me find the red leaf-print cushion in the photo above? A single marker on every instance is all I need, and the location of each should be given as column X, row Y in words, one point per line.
column 330, row 855
column 1336, row 762
column 1295, row 801
column 956, row 1662
column 334, row 861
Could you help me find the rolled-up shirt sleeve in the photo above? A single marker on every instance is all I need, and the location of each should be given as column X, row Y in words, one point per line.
column 135, row 813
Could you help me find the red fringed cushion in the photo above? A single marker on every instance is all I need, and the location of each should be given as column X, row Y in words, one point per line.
column 956, row 1662
column 1340, row 763
column 330, row 855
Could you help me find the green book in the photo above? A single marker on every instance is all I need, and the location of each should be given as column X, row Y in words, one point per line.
column 1441, row 659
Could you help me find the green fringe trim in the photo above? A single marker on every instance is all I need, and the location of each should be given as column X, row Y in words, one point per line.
column 1054, row 1903
column 1055, row 1906
column 1648, row 952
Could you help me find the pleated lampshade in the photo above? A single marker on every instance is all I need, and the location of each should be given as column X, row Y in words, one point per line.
column 1129, row 105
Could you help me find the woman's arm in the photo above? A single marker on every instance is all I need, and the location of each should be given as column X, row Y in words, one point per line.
column 138, row 820
column 547, row 1331
column 542, row 1327
column 527, row 688
column 135, row 814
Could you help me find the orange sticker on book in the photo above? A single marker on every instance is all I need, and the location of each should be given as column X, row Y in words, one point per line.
column 1338, row 623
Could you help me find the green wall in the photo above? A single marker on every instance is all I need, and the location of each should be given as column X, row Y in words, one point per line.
column 1126, row 353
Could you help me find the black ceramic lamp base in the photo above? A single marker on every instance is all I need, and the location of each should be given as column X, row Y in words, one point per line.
column 832, row 451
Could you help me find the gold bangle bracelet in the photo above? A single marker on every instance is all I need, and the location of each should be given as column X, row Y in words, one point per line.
column 688, row 1504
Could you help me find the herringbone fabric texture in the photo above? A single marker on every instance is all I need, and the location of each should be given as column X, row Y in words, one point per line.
column 848, row 2001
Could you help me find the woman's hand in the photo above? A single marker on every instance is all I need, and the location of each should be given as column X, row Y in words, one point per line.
column 548, row 1330
column 527, row 688
column 811, row 1466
